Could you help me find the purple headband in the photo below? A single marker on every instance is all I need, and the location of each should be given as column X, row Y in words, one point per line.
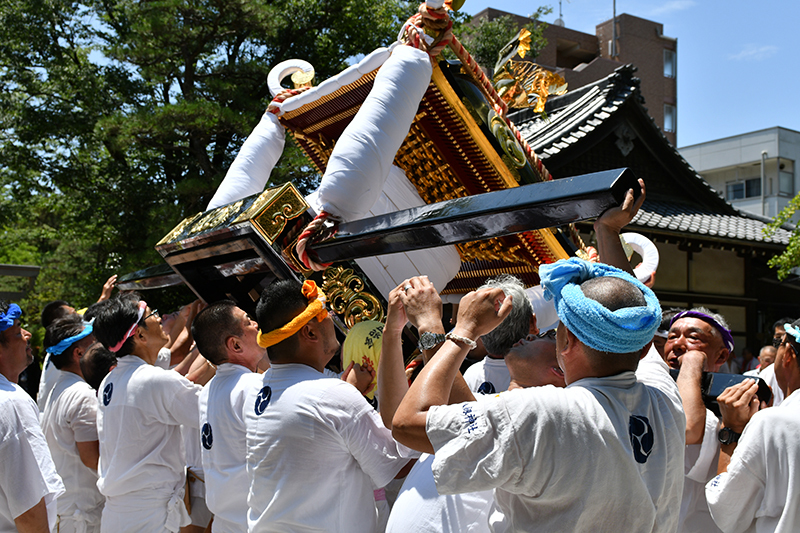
column 727, row 338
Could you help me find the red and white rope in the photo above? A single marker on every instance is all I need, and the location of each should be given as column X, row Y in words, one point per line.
column 302, row 241
column 281, row 97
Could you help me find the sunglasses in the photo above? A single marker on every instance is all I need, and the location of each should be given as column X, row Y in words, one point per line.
column 549, row 334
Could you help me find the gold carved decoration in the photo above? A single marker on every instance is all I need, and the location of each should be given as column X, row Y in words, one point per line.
column 346, row 296
column 436, row 181
column 179, row 229
column 203, row 222
column 270, row 213
column 489, row 250
column 216, row 217
column 289, row 254
column 303, row 78
column 454, row 102
column 524, row 83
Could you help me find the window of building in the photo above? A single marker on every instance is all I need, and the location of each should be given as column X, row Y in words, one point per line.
column 738, row 190
column 670, row 64
column 785, row 183
column 735, row 191
column 786, row 177
column 670, row 118
column 752, row 188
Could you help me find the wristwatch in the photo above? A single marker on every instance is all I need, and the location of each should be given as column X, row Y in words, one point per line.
column 728, row 436
column 428, row 340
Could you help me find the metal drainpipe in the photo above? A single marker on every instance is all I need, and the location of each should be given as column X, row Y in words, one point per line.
column 763, row 182
column 614, row 33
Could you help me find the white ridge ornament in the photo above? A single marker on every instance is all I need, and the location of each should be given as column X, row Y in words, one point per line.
column 644, row 247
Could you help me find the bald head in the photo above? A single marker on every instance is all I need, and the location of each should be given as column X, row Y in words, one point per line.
column 613, row 293
column 532, row 363
column 767, row 356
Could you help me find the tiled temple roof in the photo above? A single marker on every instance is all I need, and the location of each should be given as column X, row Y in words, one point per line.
column 684, row 203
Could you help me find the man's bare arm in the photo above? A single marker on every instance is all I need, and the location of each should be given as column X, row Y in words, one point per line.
column 180, row 337
column 34, row 520
column 425, row 313
column 108, row 288
column 479, row 313
column 737, row 405
column 89, row 453
column 689, row 387
column 608, row 227
column 199, row 370
column 392, row 382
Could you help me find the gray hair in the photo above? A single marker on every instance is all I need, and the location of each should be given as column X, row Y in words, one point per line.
column 716, row 316
column 517, row 324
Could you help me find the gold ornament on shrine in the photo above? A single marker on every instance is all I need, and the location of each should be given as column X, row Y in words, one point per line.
column 348, row 298
column 524, row 83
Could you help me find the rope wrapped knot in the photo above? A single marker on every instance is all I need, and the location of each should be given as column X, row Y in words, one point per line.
column 282, row 96
column 316, row 226
column 430, row 29
column 625, row 330
column 315, row 309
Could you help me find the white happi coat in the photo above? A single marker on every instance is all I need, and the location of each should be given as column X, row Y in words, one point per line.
column 70, row 416
column 27, row 472
column 700, row 465
column 488, row 371
column 421, row 509
column 223, row 447
column 603, row 454
column 46, row 381
column 760, row 493
column 142, row 461
column 316, row 451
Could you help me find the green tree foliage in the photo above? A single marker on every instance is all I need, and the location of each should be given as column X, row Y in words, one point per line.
column 484, row 39
column 789, row 258
column 120, row 117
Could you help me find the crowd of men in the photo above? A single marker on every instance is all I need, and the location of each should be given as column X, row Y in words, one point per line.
column 574, row 428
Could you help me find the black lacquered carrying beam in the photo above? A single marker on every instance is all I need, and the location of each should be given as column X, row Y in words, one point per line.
column 480, row 217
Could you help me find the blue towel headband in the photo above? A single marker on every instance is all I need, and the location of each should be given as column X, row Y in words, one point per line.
column 625, row 330
column 59, row 348
column 794, row 332
column 7, row 319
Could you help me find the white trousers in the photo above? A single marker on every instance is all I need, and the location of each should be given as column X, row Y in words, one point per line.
column 152, row 512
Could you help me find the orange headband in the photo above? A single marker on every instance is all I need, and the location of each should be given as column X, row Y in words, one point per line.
column 316, row 309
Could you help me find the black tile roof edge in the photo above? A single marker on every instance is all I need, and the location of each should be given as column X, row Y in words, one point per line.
column 626, row 86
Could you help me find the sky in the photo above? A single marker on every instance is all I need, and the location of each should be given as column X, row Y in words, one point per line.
column 738, row 68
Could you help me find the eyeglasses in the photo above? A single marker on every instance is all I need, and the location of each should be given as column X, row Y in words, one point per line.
column 154, row 313
column 777, row 341
column 549, row 334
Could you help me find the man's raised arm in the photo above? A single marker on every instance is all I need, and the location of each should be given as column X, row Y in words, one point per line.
column 392, row 382
column 608, row 227
column 690, row 388
column 479, row 313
